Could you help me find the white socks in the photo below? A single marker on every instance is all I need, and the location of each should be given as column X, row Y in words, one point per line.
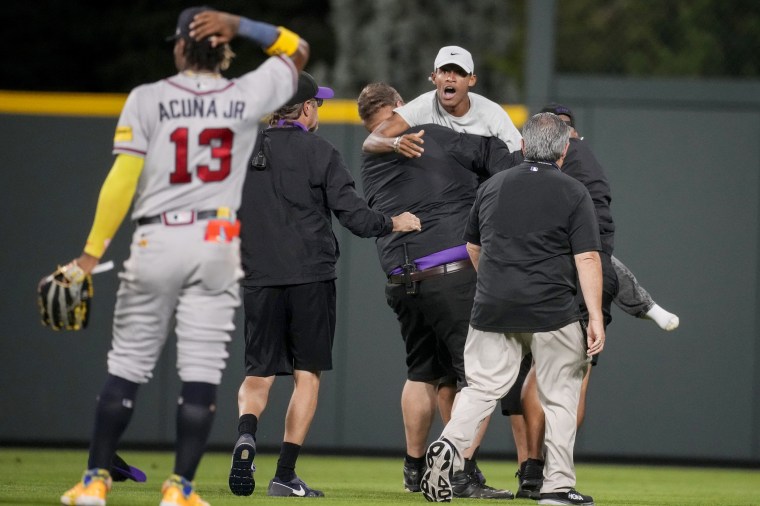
column 666, row 321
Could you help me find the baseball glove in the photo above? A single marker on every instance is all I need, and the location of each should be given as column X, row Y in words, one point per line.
column 64, row 298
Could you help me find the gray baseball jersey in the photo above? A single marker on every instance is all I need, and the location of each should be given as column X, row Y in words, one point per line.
column 485, row 117
column 196, row 133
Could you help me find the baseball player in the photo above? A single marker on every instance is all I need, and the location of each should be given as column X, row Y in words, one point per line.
column 181, row 147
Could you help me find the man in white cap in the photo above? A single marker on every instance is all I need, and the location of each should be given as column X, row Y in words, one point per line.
column 451, row 104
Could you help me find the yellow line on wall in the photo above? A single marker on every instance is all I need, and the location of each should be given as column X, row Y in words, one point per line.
column 110, row 104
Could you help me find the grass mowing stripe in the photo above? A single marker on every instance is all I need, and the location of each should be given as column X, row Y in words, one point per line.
column 39, row 477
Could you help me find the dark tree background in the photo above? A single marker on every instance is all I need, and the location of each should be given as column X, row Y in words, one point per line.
column 102, row 46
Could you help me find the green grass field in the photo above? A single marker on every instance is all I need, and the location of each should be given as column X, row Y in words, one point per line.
column 38, row 477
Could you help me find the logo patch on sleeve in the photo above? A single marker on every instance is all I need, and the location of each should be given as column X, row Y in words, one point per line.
column 123, row 134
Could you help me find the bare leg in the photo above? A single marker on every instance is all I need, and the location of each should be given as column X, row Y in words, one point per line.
column 520, row 433
column 582, row 400
column 446, row 395
column 303, row 405
column 534, row 417
column 253, row 395
column 418, row 405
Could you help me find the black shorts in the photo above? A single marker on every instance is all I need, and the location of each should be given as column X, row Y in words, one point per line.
column 288, row 328
column 434, row 324
column 511, row 404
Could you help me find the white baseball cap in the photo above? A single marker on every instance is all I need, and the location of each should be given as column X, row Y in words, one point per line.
column 456, row 55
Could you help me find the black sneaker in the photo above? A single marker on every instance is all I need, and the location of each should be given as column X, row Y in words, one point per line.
column 530, row 478
column 467, row 485
column 242, row 468
column 412, row 476
column 293, row 488
column 572, row 496
column 436, row 481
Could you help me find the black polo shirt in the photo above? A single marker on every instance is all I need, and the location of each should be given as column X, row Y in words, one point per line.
column 439, row 187
column 286, row 212
column 530, row 221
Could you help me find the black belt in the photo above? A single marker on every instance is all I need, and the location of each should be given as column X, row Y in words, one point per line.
column 439, row 270
column 177, row 217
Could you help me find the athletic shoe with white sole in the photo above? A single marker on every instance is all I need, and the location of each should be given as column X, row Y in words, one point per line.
column 177, row 491
column 241, row 471
column 293, row 488
column 572, row 496
column 436, row 482
column 91, row 491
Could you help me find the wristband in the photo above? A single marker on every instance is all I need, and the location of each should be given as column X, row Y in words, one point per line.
column 263, row 34
column 286, row 43
column 396, row 144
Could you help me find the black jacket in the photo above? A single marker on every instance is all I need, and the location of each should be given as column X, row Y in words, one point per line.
column 295, row 180
column 581, row 164
column 439, row 187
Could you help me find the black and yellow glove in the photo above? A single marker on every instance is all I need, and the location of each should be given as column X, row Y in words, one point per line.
column 64, row 298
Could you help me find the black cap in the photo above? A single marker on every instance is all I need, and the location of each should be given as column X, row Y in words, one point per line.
column 558, row 109
column 184, row 20
column 308, row 89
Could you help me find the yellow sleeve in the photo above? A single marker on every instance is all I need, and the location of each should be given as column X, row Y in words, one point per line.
column 113, row 203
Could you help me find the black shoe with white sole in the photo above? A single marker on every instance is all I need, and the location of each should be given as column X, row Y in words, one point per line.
column 241, row 471
column 572, row 496
column 436, row 482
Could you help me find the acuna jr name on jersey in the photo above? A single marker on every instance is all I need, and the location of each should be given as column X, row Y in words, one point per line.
column 199, row 108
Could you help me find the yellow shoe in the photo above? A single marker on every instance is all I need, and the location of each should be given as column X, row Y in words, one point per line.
column 177, row 491
column 91, row 491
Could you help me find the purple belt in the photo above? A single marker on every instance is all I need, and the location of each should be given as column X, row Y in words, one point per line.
column 438, row 263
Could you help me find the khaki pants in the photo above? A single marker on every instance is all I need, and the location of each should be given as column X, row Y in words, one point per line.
column 492, row 362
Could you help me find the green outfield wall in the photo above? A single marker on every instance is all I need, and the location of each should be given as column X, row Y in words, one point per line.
column 683, row 159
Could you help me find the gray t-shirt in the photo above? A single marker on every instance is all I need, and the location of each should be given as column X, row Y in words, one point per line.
column 485, row 117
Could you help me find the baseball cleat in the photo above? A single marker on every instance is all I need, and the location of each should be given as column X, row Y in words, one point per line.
column 436, row 482
column 91, row 491
column 293, row 488
column 177, row 491
column 121, row 471
column 241, row 471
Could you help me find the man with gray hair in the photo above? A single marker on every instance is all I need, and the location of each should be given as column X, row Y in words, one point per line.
column 533, row 237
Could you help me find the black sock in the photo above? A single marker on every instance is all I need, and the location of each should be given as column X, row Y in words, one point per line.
column 286, row 465
column 415, row 461
column 195, row 415
column 248, row 424
column 112, row 414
